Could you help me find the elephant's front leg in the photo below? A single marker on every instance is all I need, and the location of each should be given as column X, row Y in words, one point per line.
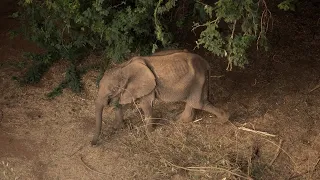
column 118, row 117
column 146, row 106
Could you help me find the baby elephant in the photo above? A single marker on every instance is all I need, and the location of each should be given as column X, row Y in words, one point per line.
column 170, row 77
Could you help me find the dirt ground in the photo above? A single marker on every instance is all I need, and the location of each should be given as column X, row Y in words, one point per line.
column 277, row 97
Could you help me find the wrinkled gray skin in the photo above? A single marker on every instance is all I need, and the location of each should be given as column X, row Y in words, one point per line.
column 170, row 76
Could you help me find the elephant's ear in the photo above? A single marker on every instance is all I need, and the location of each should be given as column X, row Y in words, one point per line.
column 140, row 81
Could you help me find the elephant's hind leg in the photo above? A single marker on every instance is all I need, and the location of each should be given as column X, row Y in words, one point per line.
column 200, row 101
column 220, row 113
column 187, row 115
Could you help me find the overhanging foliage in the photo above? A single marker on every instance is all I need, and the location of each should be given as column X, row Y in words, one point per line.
column 69, row 29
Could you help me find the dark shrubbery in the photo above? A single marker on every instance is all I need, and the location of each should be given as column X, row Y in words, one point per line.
column 70, row 29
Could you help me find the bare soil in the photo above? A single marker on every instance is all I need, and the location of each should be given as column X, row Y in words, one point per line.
column 277, row 97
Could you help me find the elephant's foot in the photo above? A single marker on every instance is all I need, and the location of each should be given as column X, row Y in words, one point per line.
column 220, row 113
column 186, row 117
column 94, row 141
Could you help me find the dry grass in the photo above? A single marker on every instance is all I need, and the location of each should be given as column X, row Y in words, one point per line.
column 192, row 152
column 8, row 173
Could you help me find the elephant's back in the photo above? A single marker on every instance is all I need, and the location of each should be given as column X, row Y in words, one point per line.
column 176, row 73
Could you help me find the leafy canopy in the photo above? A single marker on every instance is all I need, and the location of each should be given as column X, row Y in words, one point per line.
column 70, row 29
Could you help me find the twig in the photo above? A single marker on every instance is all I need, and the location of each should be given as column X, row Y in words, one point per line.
column 77, row 150
column 229, row 66
column 122, row 3
column 258, row 132
column 197, row 120
column 264, row 20
column 315, row 88
column 304, row 173
column 284, row 151
column 294, row 176
column 201, row 169
column 315, row 166
column 277, row 154
column 217, row 76
column 88, row 167
column 196, row 25
column 255, row 82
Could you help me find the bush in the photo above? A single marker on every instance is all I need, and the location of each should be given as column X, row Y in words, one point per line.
column 247, row 22
column 70, row 29
column 40, row 64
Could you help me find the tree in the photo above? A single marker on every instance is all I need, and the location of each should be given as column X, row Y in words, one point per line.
column 69, row 29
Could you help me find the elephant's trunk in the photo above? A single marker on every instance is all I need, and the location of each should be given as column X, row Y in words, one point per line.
column 99, row 109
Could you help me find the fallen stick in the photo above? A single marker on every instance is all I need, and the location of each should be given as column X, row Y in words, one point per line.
column 315, row 166
column 257, row 132
column 313, row 89
column 277, row 154
column 203, row 169
column 197, row 120
column 77, row 150
column 88, row 167
column 217, row 76
column 306, row 172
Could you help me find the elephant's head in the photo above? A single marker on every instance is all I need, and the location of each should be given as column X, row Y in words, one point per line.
column 124, row 84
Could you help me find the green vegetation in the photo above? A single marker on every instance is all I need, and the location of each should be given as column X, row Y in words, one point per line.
column 71, row 29
column 288, row 5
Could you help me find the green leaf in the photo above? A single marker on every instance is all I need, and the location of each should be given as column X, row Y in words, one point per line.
column 288, row 5
column 209, row 10
column 15, row 15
